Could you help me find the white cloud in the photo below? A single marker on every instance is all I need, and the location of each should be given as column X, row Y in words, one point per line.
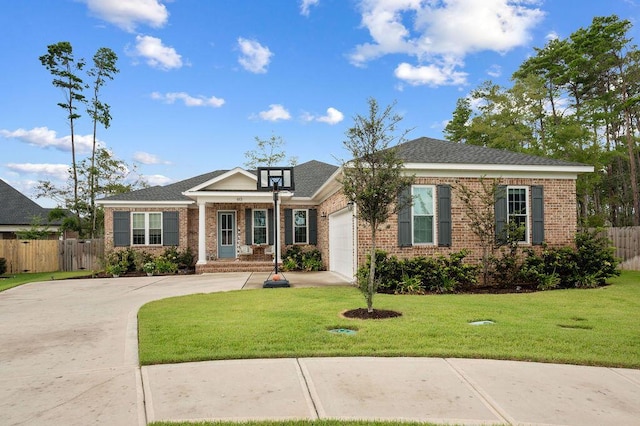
column 157, row 54
column 430, row 75
column 129, row 13
column 305, row 5
column 188, row 100
column 276, row 112
column 332, row 117
column 146, row 158
column 495, row 71
column 45, row 138
column 58, row 171
column 552, row 36
column 157, row 179
column 255, row 57
column 443, row 32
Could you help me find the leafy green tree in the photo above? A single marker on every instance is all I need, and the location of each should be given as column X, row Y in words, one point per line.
column 104, row 68
column 109, row 175
column 374, row 177
column 268, row 152
column 38, row 230
column 61, row 63
column 577, row 99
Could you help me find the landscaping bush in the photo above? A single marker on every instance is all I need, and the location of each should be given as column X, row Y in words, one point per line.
column 420, row 274
column 588, row 265
column 302, row 258
column 131, row 260
column 3, row 265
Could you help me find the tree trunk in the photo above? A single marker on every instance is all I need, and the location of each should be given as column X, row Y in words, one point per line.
column 372, row 271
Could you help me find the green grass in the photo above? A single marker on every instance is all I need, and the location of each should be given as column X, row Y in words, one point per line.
column 292, row 423
column 590, row 327
column 10, row 281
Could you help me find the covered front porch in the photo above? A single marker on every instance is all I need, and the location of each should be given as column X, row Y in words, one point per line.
column 238, row 227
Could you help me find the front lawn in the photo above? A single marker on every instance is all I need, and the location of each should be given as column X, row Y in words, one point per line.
column 10, row 281
column 590, row 327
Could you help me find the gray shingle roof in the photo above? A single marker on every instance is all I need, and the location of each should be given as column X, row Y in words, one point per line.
column 434, row 151
column 308, row 177
column 18, row 209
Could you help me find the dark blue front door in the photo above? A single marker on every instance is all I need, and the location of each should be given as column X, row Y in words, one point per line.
column 226, row 235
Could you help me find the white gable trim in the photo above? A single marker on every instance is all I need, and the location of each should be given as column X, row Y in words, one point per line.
column 222, row 177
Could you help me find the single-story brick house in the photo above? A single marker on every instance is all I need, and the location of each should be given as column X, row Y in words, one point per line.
column 222, row 216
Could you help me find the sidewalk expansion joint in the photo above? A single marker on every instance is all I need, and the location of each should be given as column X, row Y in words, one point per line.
column 307, row 388
column 492, row 405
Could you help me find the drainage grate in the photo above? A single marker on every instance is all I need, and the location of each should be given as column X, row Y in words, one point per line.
column 342, row 331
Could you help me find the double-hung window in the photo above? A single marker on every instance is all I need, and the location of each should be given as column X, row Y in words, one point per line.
column 146, row 228
column 300, row 226
column 518, row 209
column 260, row 227
column 422, row 214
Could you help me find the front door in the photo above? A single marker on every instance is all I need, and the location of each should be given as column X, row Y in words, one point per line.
column 226, row 235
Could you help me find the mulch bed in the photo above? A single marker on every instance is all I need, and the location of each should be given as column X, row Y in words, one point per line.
column 363, row 313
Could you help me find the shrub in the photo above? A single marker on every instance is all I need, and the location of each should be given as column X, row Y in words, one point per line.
column 165, row 266
column 302, row 258
column 587, row 265
column 420, row 274
column 125, row 259
column 3, row 265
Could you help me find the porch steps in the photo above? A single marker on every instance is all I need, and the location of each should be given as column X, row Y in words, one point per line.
column 213, row 266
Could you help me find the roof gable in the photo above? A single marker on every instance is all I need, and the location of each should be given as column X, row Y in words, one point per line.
column 233, row 180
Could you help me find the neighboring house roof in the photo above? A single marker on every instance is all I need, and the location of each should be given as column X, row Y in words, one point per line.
column 18, row 209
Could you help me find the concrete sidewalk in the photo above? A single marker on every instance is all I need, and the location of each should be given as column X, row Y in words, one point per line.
column 458, row 391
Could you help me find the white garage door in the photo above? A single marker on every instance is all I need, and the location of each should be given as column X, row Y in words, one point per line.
column 341, row 243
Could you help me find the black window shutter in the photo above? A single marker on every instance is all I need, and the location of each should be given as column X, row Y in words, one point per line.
column 170, row 236
column 404, row 218
column 444, row 215
column 271, row 226
column 313, row 226
column 500, row 212
column 537, row 214
column 121, row 229
column 248, row 227
column 288, row 226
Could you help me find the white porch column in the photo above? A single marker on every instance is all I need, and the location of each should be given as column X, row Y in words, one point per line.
column 202, row 233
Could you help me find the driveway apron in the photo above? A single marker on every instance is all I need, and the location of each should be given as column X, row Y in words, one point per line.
column 68, row 349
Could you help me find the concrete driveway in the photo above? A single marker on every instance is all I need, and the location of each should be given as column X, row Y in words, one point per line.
column 69, row 352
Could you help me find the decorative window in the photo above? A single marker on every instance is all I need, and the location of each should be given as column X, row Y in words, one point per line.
column 300, row 227
column 260, row 227
column 422, row 214
column 146, row 229
column 518, row 208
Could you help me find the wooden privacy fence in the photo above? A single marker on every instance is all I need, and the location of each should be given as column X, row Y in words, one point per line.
column 626, row 240
column 52, row 255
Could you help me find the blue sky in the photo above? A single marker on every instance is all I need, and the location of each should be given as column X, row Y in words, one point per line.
column 200, row 80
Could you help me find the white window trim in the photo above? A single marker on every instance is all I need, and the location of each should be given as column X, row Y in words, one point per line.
column 253, row 226
column 146, row 229
column 435, row 211
column 527, row 206
column 293, row 224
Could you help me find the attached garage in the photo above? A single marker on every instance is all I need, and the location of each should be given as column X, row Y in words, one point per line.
column 341, row 255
